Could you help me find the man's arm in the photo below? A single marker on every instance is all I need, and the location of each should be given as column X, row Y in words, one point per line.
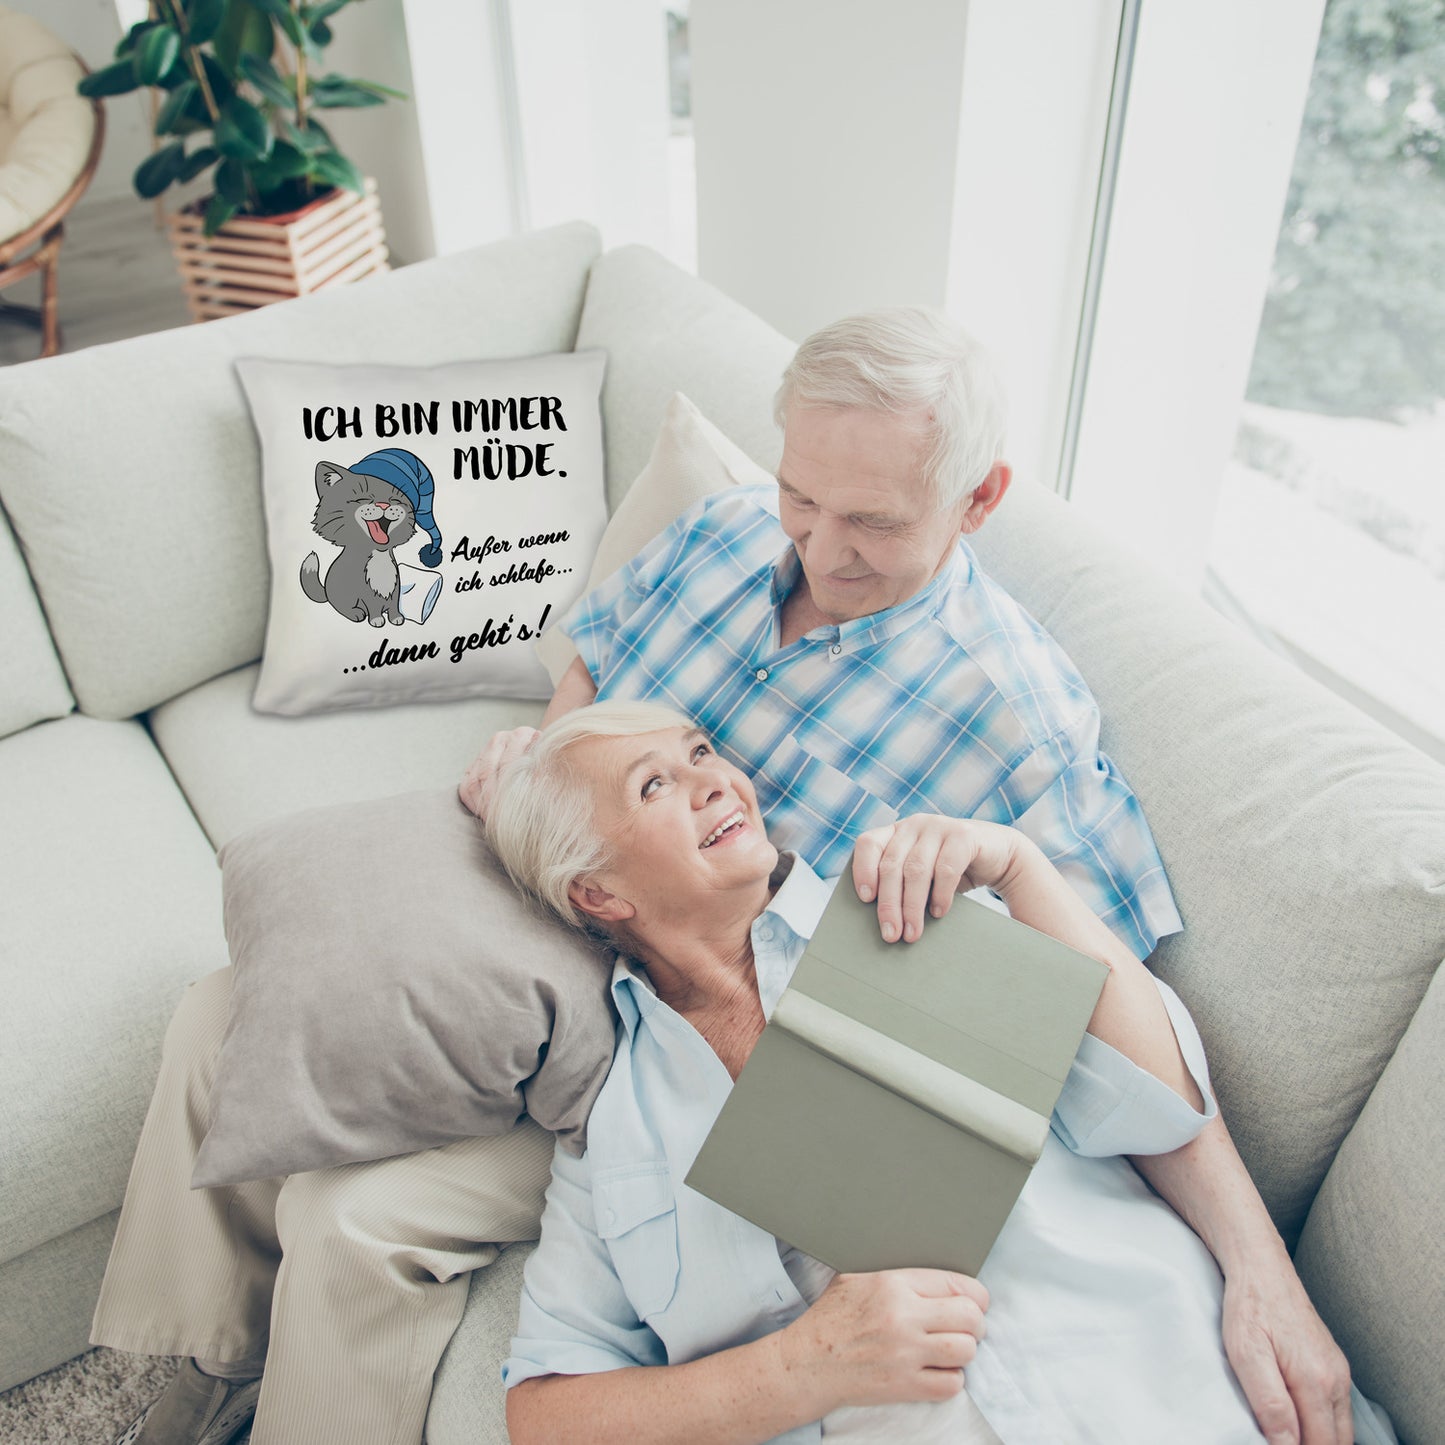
column 576, row 689
column 1295, row 1377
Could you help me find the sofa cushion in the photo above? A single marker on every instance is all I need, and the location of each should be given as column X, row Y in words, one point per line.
column 664, row 331
column 468, row 1404
column 1372, row 1254
column 239, row 768
column 47, row 1297
column 1302, row 841
column 483, row 484
column 160, row 509
column 32, row 683
column 110, row 906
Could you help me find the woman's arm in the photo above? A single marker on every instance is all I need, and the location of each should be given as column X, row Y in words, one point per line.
column 903, row 1334
column 917, row 865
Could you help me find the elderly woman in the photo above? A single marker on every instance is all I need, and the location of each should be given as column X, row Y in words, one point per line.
column 654, row 1314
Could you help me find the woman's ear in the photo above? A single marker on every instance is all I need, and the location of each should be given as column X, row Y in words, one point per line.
column 596, row 902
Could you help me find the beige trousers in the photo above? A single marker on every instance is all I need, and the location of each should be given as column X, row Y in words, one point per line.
column 350, row 1281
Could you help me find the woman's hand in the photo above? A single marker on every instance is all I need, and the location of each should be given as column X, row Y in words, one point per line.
column 476, row 786
column 897, row 1335
column 918, row 864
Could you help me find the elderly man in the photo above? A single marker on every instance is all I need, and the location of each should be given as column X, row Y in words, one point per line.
column 838, row 641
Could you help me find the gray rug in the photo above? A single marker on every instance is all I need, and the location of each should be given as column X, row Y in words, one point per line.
column 86, row 1402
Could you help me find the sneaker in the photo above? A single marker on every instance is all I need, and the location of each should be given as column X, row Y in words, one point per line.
column 195, row 1409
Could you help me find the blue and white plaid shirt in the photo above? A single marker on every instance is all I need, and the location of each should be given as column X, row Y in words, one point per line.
column 954, row 702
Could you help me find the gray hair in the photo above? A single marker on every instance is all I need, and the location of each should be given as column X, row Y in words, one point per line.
column 908, row 360
column 541, row 823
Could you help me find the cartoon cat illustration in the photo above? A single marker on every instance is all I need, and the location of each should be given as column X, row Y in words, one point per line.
column 368, row 511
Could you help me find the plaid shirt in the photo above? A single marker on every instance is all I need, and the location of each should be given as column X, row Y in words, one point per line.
column 954, row 702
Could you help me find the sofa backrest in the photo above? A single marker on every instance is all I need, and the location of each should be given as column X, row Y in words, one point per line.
column 1302, row 840
column 32, row 682
column 134, row 487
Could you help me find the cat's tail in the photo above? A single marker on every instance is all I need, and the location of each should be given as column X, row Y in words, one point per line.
column 311, row 583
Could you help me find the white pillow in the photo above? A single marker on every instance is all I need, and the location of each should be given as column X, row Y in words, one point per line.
column 691, row 459
column 425, row 524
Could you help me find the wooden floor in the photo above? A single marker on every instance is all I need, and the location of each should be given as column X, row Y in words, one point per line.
column 117, row 279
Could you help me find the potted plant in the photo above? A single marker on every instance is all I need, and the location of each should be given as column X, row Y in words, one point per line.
column 239, row 85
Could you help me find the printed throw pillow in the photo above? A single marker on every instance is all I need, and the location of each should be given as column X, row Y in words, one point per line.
column 691, row 459
column 425, row 524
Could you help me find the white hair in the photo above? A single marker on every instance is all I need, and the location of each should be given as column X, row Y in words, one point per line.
column 542, row 820
column 908, row 360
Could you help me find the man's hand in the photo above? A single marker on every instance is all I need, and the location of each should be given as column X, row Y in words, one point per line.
column 917, row 864
column 1295, row 1377
column 475, row 788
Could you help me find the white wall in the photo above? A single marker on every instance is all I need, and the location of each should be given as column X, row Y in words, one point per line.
column 827, row 146
column 1036, row 84
column 593, row 115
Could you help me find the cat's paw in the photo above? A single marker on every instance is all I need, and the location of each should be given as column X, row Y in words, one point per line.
column 395, row 621
column 377, row 621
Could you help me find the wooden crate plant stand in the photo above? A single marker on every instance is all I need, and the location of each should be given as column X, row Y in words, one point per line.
column 255, row 260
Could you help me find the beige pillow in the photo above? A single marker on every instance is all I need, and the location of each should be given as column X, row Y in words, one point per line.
column 393, row 992
column 691, row 459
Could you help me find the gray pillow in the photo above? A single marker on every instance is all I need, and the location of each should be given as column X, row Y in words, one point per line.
column 393, row 992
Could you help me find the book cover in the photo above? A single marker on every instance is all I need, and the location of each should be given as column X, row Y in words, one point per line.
column 895, row 1103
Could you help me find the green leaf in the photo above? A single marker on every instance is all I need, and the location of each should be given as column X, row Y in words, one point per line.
column 242, row 132
column 244, row 31
column 222, row 85
column 157, row 171
column 231, row 182
column 218, row 213
column 319, row 33
column 324, row 11
column 285, row 17
column 131, row 38
column 174, row 110
column 377, row 88
column 333, row 92
column 333, row 168
column 117, row 79
column 278, row 89
column 203, row 19
column 287, row 163
column 157, row 52
column 313, row 140
column 197, row 161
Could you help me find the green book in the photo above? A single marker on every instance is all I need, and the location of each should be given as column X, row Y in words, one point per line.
column 900, row 1094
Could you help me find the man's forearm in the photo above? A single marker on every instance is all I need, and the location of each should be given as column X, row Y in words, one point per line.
column 575, row 689
column 1209, row 1187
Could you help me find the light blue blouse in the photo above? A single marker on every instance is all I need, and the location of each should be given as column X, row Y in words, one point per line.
column 1105, row 1316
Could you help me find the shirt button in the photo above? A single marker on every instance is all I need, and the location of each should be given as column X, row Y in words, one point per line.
column 761, row 674
column 836, row 648
column 765, row 933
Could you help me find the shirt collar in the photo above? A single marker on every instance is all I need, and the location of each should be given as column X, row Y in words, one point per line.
column 779, row 933
column 877, row 626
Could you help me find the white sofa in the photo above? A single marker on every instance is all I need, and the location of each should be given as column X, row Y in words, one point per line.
column 1306, row 846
